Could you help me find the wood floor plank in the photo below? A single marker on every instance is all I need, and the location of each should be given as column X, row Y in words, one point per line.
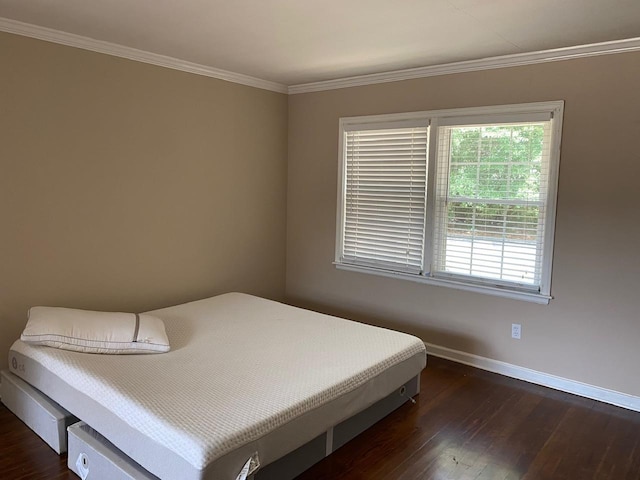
column 467, row 424
column 454, row 443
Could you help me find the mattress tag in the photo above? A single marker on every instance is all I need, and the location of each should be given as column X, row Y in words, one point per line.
column 250, row 467
column 244, row 472
column 82, row 464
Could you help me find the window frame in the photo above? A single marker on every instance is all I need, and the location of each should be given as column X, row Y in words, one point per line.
column 433, row 119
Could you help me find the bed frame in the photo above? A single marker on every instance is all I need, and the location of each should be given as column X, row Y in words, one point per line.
column 90, row 452
column 272, row 432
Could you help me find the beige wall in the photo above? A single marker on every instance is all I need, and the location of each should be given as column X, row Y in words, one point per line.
column 125, row 186
column 120, row 189
column 590, row 332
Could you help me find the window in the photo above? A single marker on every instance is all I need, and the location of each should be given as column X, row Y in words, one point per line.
column 464, row 197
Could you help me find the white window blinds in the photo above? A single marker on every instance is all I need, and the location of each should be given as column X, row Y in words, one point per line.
column 463, row 198
column 491, row 202
column 384, row 197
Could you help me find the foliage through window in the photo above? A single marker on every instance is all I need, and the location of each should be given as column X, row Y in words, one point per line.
column 463, row 197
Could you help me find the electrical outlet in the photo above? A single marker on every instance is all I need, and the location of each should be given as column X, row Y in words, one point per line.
column 516, row 330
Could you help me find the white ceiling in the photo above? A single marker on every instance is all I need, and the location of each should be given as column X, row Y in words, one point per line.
column 298, row 41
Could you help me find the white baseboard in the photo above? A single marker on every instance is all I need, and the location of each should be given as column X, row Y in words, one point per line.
column 613, row 397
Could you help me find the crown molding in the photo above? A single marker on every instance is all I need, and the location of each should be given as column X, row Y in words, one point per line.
column 514, row 60
column 72, row 40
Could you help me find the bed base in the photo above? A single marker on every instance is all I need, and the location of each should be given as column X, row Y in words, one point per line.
column 296, row 462
column 93, row 456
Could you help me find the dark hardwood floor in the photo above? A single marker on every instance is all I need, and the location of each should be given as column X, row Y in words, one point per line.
column 467, row 424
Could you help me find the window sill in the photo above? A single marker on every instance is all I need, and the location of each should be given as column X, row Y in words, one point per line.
column 486, row 289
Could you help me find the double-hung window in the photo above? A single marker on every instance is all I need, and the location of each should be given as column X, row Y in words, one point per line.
column 463, row 198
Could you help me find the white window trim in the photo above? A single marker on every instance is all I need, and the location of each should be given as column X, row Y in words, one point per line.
column 489, row 114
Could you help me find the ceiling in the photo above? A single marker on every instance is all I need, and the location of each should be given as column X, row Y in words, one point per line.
column 293, row 42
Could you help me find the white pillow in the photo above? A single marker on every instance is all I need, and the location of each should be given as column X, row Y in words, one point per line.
column 95, row 332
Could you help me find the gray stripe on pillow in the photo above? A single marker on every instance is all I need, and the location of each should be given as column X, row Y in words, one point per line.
column 135, row 332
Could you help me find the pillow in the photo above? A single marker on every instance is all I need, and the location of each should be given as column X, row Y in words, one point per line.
column 95, row 332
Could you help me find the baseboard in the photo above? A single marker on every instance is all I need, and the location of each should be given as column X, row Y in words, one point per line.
column 613, row 397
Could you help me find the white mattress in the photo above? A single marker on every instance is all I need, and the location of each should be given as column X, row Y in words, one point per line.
column 240, row 369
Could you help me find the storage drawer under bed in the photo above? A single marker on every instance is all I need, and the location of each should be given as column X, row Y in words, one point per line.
column 91, row 456
column 41, row 414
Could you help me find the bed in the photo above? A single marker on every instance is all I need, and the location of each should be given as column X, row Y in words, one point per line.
column 245, row 378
